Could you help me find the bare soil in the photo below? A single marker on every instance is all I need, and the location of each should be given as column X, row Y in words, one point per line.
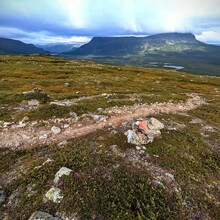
column 31, row 135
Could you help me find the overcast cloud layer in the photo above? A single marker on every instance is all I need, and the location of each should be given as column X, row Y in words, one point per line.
column 48, row 21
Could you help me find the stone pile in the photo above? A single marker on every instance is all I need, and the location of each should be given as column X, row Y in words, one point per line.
column 144, row 131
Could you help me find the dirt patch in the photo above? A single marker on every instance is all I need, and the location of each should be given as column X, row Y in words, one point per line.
column 29, row 135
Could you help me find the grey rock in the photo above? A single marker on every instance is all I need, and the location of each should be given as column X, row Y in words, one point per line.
column 7, row 124
column 56, row 130
column 62, row 143
column 63, row 216
column 153, row 123
column 66, row 84
column 144, row 131
column 37, row 167
column 62, row 171
column 37, row 90
column 100, row 110
column 196, row 121
column 39, row 215
column 54, row 195
column 114, row 132
column 47, row 161
column 170, row 176
column 208, row 128
column 44, row 136
column 62, row 103
column 25, row 119
column 3, row 196
column 66, row 125
column 19, row 108
column 73, row 114
column 99, row 117
column 138, row 148
column 33, row 103
column 21, row 124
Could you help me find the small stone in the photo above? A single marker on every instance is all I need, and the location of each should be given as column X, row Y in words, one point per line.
column 19, row 108
column 3, row 196
column 208, row 128
column 155, row 124
column 62, row 143
column 66, row 84
column 66, row 125
column 138, row 148
column 62, row 103
column 100, row 110
column 21, row 124
column 114, row 132
column 196, row 121
column 157, row 182
column 62, row 171
column 73, row 114
column 37, row 90
column 170, row 176
column 17, row 144
column 34, row 123
column 33, row 103
column 37, row 167
column 47, row 161
column 25, row 119
column 7, row 124
column 56, row 130
column 54, row 195
column 44, row 136
column 38, row 215
column 96, row 117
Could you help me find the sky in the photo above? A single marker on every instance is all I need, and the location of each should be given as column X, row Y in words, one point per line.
column 77, row 21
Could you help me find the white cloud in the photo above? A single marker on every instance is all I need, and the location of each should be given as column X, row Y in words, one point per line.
column 41, row 37
column 111, row 17
column 209, row 36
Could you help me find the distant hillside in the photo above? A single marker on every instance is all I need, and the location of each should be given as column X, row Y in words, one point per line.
column 9, row 46
column 171, row 42
column 171, row 50
column 59, row 48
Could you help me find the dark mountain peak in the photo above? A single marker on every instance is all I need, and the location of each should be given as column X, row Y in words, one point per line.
column 10, row 46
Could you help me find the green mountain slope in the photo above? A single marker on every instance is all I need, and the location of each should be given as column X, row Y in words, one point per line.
column 9, row 46
column 176, row 49
column 173, row 42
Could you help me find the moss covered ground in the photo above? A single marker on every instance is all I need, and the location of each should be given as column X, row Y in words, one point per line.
column 105, row 184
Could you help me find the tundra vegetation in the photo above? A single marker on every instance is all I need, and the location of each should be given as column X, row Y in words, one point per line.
column 175, row 177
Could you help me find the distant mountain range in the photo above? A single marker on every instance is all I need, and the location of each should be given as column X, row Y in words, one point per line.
column 161, row 51
column 179, row 51
column 9, row 46
column 59, row 48
column 156, row 44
